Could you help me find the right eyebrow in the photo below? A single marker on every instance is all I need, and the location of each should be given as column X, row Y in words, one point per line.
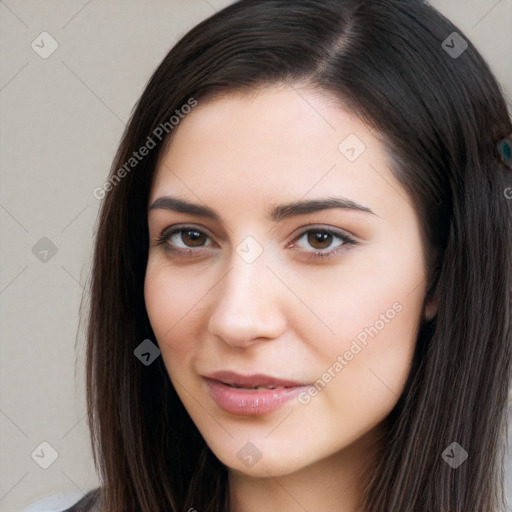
column 180, row 205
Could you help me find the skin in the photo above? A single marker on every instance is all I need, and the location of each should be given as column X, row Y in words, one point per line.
column 285, row 314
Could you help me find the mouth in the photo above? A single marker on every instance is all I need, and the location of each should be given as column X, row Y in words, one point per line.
column 254, row 381
column 256, row 388
column 251, row 395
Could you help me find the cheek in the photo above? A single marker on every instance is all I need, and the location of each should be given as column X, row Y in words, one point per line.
column 173, row 306
column 373, row 295
column 373, row 374
column 375, row 313
column 372, row 303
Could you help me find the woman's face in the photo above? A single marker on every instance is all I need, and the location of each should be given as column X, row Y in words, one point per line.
column 263, row 279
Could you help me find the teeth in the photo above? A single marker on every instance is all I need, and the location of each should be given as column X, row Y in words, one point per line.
column 256, row 388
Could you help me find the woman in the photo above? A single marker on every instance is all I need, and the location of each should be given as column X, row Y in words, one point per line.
column 310, row 200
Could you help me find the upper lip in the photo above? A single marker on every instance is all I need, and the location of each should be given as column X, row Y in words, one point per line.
column 254, row 380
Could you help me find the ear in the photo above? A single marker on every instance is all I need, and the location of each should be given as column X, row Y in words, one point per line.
column 430, row 308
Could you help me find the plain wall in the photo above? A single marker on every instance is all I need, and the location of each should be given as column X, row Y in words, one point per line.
column 62, row 119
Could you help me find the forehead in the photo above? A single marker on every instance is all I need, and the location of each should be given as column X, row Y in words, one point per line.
column 279, row 143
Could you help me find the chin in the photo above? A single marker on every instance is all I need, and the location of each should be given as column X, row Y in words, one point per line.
column 261, row 458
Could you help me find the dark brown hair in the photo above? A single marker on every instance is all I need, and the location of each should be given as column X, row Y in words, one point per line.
column 438, row 116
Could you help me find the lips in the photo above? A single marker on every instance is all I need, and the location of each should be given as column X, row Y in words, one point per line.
column 251, row 395
column 252, row 381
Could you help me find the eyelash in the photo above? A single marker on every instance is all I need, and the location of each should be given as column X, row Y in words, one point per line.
column 163, row 239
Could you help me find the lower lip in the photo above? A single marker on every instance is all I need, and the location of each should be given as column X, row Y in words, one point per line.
column 250, row 402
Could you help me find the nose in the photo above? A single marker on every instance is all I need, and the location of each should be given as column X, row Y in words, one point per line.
column 247, row 304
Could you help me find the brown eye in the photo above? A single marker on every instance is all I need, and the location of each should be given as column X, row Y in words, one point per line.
column 185, row 240
column 323, row 243
column 319, row 239
column 192, row 237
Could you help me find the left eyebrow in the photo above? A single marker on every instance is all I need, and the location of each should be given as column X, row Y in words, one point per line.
column 278, row 213
column 304, row 207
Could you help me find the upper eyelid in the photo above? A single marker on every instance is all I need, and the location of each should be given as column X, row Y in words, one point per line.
column 172, row 230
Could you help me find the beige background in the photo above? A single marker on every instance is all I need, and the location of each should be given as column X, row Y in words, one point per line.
column 62, row 118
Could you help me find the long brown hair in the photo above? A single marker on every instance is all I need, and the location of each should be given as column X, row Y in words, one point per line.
column 438, row 115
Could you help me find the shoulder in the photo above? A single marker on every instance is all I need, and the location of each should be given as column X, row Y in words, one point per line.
column 65, row 502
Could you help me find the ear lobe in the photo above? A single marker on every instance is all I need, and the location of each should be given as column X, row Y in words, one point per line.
column 430, row 309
